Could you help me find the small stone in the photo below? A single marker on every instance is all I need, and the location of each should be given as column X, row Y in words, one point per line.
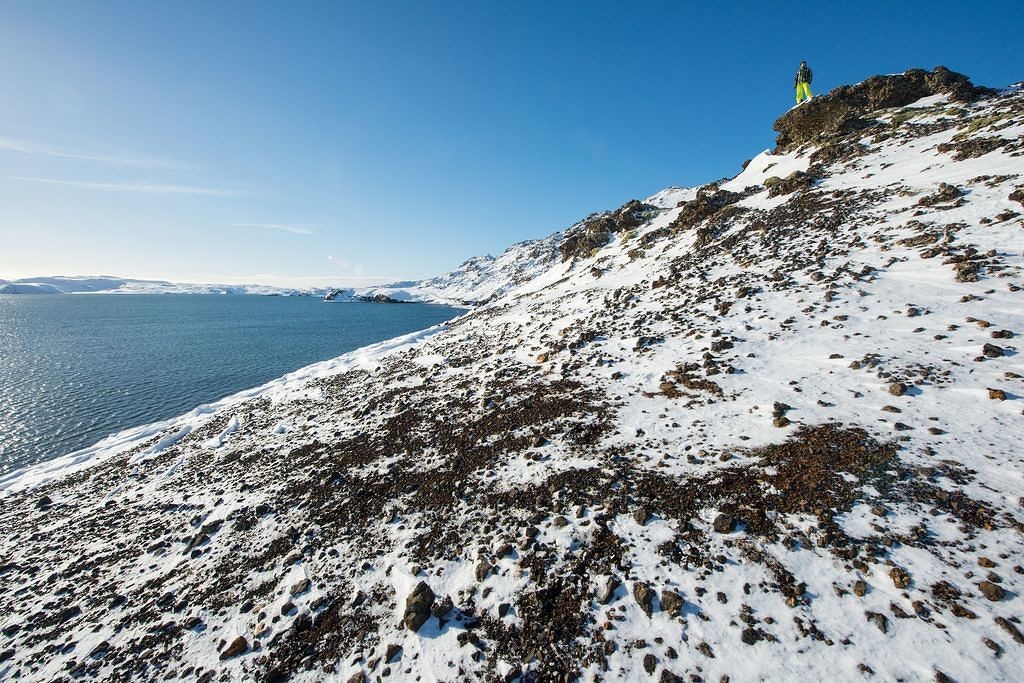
column 781, row 422
column 997, row 394
column 641, row 516
column 986, row 563
column 897, row 388
column 749, row 635
column 650, row 663
column 393, row 653
column 483, row 570
column 860, row 588
column 301, row 587
column 287, row 608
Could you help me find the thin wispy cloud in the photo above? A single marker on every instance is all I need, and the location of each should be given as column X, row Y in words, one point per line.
column 37, row 149
column 295, row 229
column 145, row 188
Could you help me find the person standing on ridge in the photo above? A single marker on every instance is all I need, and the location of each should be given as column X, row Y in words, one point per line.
column 802, row 82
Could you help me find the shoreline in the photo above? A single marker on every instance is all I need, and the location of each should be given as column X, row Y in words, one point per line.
column 116, row 443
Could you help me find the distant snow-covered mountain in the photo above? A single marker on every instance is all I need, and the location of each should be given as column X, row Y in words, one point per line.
column 116, row 285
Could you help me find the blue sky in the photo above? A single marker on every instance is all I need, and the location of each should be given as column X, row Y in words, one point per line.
column 324, row 142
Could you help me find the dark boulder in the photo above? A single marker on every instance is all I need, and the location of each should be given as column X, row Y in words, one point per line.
column 238, row 646
column 417, row 606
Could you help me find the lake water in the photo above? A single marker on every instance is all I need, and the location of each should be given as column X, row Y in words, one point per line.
column 75, row 368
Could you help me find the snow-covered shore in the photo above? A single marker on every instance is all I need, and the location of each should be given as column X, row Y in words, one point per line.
column 763, row 429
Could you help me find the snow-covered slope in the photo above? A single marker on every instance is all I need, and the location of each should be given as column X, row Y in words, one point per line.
column 483, row 278
column 479, row 279
column 765, row 429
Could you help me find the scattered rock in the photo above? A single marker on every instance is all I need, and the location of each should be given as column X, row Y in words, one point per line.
column 900, row 577
column 606, row 592
column 992, row 351
column 946, row 193
column 1007, row 626
column 672, row 602
column 644, row 596
column 724, row 524
column 992, row 591
column 879, row 620
column 238, row 646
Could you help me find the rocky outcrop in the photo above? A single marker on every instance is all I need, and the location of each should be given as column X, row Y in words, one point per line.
column 849, row 108
column 797, row 180
column 596, row 231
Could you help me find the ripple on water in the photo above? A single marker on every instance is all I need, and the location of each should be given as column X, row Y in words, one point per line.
column 74, row 369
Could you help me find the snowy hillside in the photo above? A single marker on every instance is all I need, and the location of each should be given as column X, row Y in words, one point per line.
column 483, row 278
column 762, row 429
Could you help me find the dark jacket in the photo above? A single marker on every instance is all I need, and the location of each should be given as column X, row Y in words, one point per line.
column 803, row 75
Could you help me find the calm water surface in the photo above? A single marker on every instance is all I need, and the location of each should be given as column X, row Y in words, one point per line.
column 75, row 368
